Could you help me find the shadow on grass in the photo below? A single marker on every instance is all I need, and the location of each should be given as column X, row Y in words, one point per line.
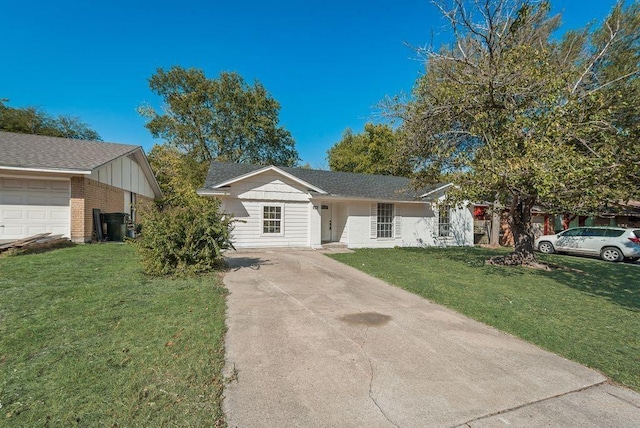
column 616, row 282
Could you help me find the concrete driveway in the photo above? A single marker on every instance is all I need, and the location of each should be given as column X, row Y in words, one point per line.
column 314, row 343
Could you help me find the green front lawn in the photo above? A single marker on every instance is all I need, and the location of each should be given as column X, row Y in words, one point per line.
column 589, row 312
column 87, row 340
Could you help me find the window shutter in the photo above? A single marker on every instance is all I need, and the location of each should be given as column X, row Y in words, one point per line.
column 373, row 232
column 398, row 222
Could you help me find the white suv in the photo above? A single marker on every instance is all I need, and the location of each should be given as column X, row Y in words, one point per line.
column 612, row 244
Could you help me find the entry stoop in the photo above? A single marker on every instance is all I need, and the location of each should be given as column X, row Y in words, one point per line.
column 335, row 247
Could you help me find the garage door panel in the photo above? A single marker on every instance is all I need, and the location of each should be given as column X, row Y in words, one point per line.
column 60, row 185
column 60, row 215
column 37, row 200
column 31, row 206
column 9, row 214
column 9, row 183
column 36, row 229
column 59, row 230
column 37, row 214
column 9, row 199
column 38, row 184
column 60, row 202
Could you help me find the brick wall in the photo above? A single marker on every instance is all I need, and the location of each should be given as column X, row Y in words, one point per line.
column 87, row 194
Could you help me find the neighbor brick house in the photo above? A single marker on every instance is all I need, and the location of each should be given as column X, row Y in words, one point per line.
column 50, row 184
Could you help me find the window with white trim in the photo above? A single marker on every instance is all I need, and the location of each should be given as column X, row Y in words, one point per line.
column 384, row 224
column 272, row 220
column 444, row 221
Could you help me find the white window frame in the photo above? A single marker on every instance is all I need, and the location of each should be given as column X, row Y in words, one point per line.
column 391, row 224
column 263, row 219
column 446, row 224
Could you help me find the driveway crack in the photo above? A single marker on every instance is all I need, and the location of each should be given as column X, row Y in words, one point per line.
column 372, row 371
column 542, row 400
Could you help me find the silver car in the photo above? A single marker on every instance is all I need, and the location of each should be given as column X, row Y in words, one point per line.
column 612, row 244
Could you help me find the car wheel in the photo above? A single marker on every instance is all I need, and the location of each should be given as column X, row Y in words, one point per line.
column 546, row 247
column 611, row 254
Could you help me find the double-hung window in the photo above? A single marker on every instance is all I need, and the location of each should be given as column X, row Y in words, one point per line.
column 444, row 221
column 272, row 220
column 384, row 224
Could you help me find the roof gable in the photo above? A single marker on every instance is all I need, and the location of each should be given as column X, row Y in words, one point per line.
column 266, row 169
column 331, row 183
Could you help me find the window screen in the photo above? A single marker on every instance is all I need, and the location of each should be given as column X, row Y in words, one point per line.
column 271, row 219
column 444, row 221
column 385, row 221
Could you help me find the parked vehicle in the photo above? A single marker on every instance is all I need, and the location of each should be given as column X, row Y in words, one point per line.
column 612, row 244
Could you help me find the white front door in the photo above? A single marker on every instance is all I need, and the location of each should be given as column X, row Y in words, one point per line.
column 325, row 213
column 32, row 206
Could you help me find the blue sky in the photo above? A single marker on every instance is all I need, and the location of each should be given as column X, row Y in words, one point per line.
column 328, row 62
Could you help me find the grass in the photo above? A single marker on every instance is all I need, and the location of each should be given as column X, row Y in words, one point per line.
column 589, row 312
column 87, row 340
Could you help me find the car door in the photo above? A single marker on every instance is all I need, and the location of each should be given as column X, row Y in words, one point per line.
column 592, row 240
column 569, row 240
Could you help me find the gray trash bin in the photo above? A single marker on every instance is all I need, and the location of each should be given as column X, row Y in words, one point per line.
column 116, row 226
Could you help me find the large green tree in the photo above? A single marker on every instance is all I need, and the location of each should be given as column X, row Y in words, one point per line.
column 222, row 119
column 371, row 152
column 518, row 117
column 32, row 120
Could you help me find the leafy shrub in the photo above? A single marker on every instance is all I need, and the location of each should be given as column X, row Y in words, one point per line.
column 184, row 239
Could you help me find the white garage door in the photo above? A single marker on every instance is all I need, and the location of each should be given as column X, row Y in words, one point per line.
column 32, row 206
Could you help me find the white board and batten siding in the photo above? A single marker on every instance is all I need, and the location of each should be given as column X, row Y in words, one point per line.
column 29, row 206
column 415, row 225
column 247, row 200
column 124, row 173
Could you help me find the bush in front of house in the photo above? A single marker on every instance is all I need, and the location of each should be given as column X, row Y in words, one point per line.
column 185, row 239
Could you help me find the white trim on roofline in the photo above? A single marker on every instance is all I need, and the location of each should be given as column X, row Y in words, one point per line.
column 207, row 192
column 365, row 199
column 274, row 169
column 53, row 170
column 431, row 192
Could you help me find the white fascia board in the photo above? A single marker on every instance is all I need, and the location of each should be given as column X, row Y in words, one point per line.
column 355, row 199
column 147, row 171
column 431, row 192
column 48, row 170
column 274, row 169
column 207, row 192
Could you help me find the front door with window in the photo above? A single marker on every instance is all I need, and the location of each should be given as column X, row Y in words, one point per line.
column 327, row 226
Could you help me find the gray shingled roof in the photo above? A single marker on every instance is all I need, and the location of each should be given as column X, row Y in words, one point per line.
column 43, row 152
column 343, row 184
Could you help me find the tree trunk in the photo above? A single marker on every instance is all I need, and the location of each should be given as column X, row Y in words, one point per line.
column 520, row 222
column 494, row 240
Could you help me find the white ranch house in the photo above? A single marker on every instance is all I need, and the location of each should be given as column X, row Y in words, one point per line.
column 297, row 207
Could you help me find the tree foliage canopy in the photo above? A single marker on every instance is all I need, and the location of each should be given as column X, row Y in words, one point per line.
column 371, row 152
column 178, row 174
column 32, row 120
column 222, row 119
column 519, row 117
